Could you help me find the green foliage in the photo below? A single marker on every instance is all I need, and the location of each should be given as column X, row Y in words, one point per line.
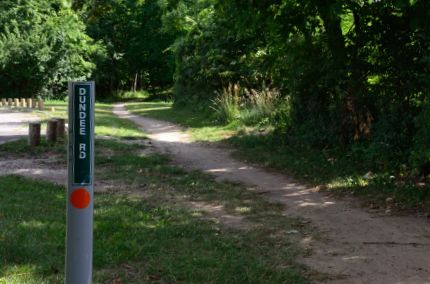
column 136, row 45
column 420, row 156
column 42, row 45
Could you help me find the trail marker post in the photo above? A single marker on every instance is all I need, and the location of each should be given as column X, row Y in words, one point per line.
column 80, row 193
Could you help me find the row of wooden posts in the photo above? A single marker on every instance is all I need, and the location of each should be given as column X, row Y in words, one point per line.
column 55, row 130
column 22, row 103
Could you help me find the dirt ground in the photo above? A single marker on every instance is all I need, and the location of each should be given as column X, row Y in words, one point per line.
column 350, row 243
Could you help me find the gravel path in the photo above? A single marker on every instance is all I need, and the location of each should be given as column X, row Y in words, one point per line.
column 14, row 124
column 358, row 246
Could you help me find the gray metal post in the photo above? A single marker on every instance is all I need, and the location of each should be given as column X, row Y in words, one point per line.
column 80, row 193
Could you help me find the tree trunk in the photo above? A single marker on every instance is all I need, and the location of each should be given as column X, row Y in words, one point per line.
column 332, row 24
column 134, row 88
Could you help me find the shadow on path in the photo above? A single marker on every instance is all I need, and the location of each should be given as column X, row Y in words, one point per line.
column 361, row 246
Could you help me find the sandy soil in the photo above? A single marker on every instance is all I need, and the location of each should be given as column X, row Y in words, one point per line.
column 353, row 245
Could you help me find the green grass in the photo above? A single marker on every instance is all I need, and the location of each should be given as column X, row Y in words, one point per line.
column 201, row 124
column 126, row 96
column 106, row 123
column 338, row 171
column 156, row 243
column 146, row 229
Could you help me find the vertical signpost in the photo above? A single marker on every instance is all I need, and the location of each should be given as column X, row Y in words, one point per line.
column 80, row 193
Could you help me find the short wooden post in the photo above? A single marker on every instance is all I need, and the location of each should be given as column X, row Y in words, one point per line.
column 34, row 134
column 60, row 128
column 51, row 131
column 10, row 102
column 41, row 104
column 30, row 103
column 16, row 102
column 3, row 102
column 23, row 103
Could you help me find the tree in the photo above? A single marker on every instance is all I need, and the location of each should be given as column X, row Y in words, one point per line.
column 42, row 45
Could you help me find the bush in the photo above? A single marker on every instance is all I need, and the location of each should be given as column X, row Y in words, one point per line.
column 281, row 118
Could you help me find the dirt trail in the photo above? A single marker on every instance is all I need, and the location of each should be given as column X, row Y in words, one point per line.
column 13, row 124
column 361, row 246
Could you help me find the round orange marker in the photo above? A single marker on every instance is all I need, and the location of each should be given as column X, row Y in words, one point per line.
column 80, row 198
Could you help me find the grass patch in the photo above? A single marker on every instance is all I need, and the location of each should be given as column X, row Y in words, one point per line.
column 201, row 124
column 20, row 149
column 157, row 244
column 126, row 96
column 106, row 123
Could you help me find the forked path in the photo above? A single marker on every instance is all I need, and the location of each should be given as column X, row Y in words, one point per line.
column 360, row 246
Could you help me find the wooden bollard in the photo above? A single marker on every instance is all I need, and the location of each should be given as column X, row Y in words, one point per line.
column 16, row 102
column 30, row 103
column 60, row 128
column 41, row 104
column 51, row 131
column 34, row 134
column 24, row 103
column 10, row 102
column 3, row 102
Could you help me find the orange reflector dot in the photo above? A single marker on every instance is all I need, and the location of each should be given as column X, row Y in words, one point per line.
column 80, row 198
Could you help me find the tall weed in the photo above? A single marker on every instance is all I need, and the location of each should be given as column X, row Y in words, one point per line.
column 249, row 106
column 227, row 103
column 259, row 105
